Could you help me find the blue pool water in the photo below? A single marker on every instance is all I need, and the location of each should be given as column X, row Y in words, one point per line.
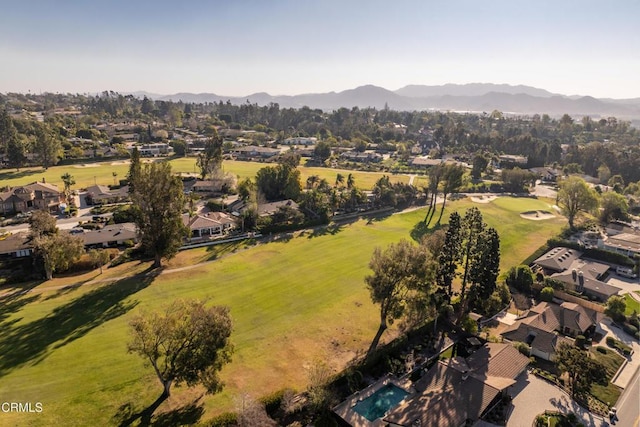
column 375, row 406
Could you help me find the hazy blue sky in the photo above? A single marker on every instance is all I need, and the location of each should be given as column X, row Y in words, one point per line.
column 236, row 47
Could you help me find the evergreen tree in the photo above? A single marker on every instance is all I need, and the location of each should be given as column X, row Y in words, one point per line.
column 158, row 201
column 135, row 168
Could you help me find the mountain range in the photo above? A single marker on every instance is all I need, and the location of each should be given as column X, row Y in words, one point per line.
column 473, row 97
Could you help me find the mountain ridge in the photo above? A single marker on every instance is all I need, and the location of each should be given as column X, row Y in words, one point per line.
column 472, row 97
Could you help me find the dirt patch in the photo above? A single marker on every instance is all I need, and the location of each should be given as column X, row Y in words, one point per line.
column 483, row 199
column 124, row 162
column 537, row 215
column 87, row 165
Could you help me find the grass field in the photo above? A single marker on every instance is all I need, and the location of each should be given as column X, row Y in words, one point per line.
column 632, row 305
column 293, row 301
column 87, row 174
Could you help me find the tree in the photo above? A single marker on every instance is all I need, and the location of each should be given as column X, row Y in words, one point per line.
column 210, row 159
column 452, row 181
column 58, row 251
column 575, row 196
column 399, row 271
column 471, row 251
column 279, row 182
column 187, row 343
column 322, row 151
column 41, row 224
column 47, row 146
column 520, row 277
column 135, row 169
column 613, row 206
column 480, row 164
column 435, row 176
column 580, row 368
column 158, row 201
column 616, row 306
column 68, row 181
column 99, row 257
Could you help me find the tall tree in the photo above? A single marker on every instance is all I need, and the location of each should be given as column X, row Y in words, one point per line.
column 575, row 196
column 435, row 177
column 158, row 201
column 582, row 370
column 47, row 146
column 68, row 181
column 135, row 169
column 210, row 160
column 449, row 257
column 187, row 343
column 399, row 271
column 452, row 181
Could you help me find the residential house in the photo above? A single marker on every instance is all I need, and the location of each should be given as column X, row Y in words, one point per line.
column 547, row 174
column 458, row 391
column 15, row 246
column 155, row 150
column 623, row 243
column 509, row 160
column 539, row 327
column 577, row 274
column 212, row 224
column 254, row 152
column 362, row 157
column 425, row 162
column 300, row 140
column 110, row 235
column 267, row 209
column 37, row 195
column 101, row 194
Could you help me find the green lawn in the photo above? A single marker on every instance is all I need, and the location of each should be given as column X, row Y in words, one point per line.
column 632, row 305
column 87, row 174
column 293, row 302
column 612, row 362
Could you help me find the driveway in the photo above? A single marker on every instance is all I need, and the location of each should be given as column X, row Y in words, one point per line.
column 532, row 396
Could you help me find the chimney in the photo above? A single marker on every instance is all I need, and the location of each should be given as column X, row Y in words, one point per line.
column 580, row 286
column 43, row 180
column 465, row 375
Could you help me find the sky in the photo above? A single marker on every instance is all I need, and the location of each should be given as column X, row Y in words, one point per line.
column 288, row 47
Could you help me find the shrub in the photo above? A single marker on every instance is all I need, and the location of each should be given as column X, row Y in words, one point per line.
column 611, row 342
column 227, row 419
column 630, row 329
column 580, row 341
column 602, row 350
column 272, row 401
column 546, row 294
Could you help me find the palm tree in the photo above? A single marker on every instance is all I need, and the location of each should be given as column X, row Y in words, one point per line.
column 339, row 179
column 351, row 181
column 115, row 174
column 312, row 181
column 68, row 181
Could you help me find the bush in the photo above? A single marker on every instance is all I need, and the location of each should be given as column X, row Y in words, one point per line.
column 580, row 341
column 630, row 329
column 273, row 401
column 546, row 294
column 228, row 419
column 602, row 350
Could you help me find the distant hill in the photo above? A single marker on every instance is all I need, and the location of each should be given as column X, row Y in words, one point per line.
column 470, row 89
column 473, row 97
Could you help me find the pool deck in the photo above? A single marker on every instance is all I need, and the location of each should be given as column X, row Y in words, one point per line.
column 345, row 409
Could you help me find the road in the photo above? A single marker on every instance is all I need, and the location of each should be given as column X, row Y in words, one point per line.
column 629, row 404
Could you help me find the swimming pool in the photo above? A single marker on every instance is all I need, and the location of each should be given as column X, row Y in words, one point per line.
column 376, row 405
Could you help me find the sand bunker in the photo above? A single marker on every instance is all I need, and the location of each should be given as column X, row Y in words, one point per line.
column 87, row 165
column 537, row 215
column 124, row 162
column 483, row 199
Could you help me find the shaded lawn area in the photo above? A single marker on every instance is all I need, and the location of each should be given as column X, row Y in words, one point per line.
column 612, row 362
column 293, row 302
column 632, row 305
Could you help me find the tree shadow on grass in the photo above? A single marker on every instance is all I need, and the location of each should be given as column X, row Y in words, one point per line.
column 32, row 342
column 331, row 229
column 68, row 289
column 13, row 301
column 189, row 414
column 420, row 230
column 20, row 174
